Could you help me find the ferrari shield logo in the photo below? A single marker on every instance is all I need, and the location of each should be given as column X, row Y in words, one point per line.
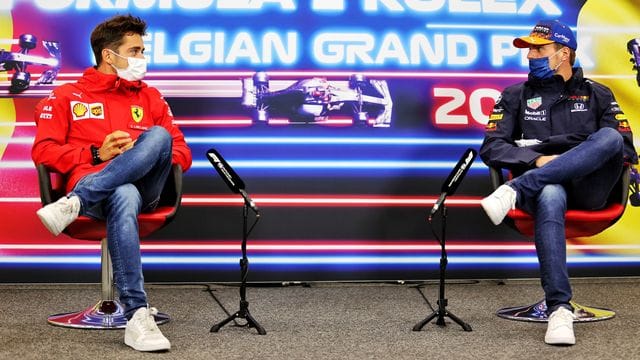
column 137, row 113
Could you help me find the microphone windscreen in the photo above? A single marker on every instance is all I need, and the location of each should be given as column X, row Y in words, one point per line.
column 458, row 172
column 226, row 172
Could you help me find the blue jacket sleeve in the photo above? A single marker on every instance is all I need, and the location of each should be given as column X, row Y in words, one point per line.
column 499, row 148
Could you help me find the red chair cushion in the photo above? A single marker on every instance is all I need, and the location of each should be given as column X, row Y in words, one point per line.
column 86, row 228
column 578, row 223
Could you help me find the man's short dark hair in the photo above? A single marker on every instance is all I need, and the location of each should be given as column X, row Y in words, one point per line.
column 110, row 33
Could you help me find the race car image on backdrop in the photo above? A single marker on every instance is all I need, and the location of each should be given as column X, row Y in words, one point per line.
column 316, row 100
column 19, row 61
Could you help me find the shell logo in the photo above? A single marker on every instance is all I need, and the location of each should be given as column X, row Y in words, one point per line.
column 79, row 109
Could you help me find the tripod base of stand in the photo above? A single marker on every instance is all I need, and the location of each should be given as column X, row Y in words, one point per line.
column 439, row 315
column 243, row 313
column 441, row 312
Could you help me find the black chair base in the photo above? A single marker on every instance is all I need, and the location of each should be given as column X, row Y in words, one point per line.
column 537, row 313
column 106, row 315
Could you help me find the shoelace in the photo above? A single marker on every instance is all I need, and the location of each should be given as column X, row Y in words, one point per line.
column 67, row 209
column 566, row 316
column 149, row 323
column 505, row 197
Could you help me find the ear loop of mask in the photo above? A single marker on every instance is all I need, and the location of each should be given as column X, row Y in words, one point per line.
column 560, row 63
column 118, row 55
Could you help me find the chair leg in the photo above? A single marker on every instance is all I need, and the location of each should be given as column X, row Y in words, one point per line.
column 106, row 273
column 108, row 313
column 537, row 313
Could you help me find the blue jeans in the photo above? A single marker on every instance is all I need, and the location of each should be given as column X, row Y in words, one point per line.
column 131, row 183
column 582, row 177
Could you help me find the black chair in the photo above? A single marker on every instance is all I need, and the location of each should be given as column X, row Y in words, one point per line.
column 108, row 312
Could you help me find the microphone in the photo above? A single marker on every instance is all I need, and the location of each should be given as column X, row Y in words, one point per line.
column 454, row 179
column 233, row 181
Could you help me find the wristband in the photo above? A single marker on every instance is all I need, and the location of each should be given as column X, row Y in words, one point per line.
column 95, row 156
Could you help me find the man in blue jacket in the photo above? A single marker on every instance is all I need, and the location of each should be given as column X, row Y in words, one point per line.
column 566, row 139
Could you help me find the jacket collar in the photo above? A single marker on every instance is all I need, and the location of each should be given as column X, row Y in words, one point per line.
column 101, row 82
column 576, row 78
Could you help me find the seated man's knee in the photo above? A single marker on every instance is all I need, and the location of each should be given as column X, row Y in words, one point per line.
column 553, row 196
column 126, row 199
column 159, row 133
column 611, row 137
column 158, row 140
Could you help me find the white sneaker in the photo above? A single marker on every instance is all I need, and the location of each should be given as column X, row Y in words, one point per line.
column 142, row 332
column 58, row 215
column 498, row 204
column 560, row 328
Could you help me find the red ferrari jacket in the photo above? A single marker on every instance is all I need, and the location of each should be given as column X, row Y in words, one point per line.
column 76, row 116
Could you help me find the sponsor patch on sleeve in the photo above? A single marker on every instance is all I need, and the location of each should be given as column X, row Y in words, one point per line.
column 623, row 126
column 46, row 112
column 491, row 126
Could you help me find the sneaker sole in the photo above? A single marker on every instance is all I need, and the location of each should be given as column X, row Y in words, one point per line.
column 139, row 347
column 561, row 341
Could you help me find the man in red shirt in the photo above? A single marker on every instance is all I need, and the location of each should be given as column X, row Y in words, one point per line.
column 114, row 139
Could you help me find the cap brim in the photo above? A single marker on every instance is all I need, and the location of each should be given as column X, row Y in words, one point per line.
column 526, row 41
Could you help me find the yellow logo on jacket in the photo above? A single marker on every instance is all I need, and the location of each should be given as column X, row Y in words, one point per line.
column 96, row 110
column 137, row 113
column 79, row 110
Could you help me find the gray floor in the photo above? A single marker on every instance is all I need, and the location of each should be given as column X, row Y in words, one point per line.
column 326, row 321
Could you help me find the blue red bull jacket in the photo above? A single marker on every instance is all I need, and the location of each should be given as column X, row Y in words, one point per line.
column 546, row 117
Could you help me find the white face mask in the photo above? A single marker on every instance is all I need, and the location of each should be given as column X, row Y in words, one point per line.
column 135, row 71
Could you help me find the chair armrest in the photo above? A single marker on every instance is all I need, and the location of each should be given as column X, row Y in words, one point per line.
column 176, row 175
column 48, row 193
column 172, row 193
column 624, row 184
column 497, row 178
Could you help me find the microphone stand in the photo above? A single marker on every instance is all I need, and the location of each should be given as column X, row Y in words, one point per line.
column 244, row 269
column 442, row 311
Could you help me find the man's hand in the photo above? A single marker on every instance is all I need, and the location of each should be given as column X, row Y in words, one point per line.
column 115, row 144
column 542, row 160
